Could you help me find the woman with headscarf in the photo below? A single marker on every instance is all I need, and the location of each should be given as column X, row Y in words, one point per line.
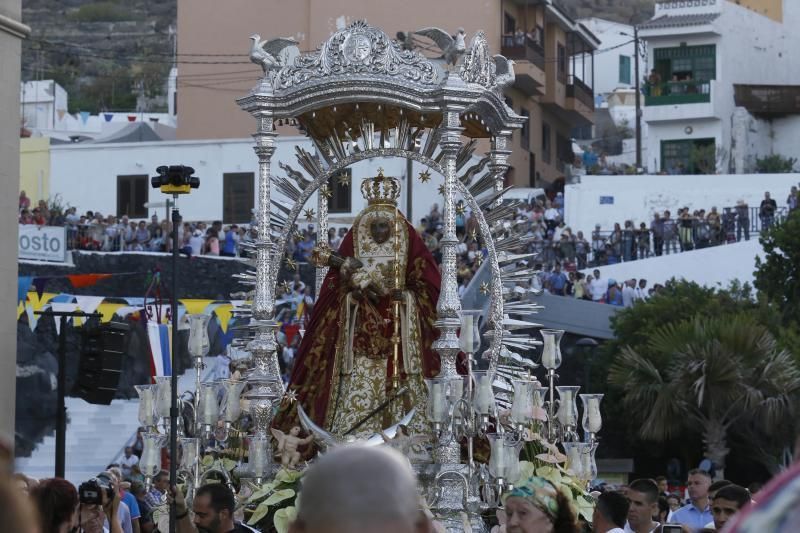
column 536, row 506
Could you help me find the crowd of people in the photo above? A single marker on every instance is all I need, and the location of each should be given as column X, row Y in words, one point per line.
column 95, row 231
column 357, row 488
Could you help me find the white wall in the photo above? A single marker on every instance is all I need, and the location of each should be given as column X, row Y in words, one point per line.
column 606, row 59
column 85, row 175
column 638, row 197
column 731, row 262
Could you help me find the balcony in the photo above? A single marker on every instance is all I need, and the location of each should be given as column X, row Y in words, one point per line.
column 580, row 100
column 529, row 57
column 678, row 92
column 682, row 100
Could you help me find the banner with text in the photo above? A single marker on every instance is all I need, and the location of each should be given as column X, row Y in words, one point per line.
column 42, row 243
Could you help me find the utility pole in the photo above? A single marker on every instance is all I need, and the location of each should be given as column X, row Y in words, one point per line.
column 638, row 99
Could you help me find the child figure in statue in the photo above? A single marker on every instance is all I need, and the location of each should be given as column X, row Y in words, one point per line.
column 288, row 446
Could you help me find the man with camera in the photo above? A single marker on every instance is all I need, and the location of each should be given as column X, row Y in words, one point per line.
column 100, row 505
column 212, row 508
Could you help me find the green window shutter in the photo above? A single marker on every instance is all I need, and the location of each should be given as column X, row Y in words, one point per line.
column 625, row 69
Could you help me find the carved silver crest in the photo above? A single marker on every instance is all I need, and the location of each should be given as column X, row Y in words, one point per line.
column 478, row 66
column 359, row 49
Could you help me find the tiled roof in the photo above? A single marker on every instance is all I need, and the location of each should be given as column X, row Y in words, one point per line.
column 679, row 20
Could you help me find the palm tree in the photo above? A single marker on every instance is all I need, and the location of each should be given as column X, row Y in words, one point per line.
column 717, row 375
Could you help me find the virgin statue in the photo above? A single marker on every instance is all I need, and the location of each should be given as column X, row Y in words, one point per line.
column 367, row 349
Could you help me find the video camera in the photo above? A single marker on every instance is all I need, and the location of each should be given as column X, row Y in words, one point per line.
column 91, row 492
column 175, row 179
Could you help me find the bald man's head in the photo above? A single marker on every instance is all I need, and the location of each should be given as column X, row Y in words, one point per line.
column 355, row 489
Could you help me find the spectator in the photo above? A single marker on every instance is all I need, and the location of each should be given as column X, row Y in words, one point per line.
column 670, row 233
column 697, row 513
column 154, row 226
column 142, row 237
column 128, row 461
column 742, row 220
column 792, row 199
column 766, row 212
column 641, row 295
column 196, row 243
column 146, row 524
column 614, row 294
column 581, row 250
column 359, row 489
column 627, row 241
column 333, row 240
column 551, row 216
column 24, row 201
column 643, row 241
column 643, row 499
column 598, row 287
column 231, row 242
column 610, row 513
column 629, row 293
column 16, row 512
column 56, row 500
column 158, row 491
column 557, row 281
column 212, row 242
column 213, row 507
column 726, row 502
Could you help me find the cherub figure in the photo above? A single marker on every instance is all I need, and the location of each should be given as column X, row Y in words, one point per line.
column 288, row 444
column 403, row 441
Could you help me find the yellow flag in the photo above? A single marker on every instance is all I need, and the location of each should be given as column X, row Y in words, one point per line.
column 36, row 302
column 107, row 311
column 194, row 307
column 224, row 313
column 20, row 309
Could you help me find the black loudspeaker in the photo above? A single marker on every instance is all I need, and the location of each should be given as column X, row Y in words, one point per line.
column 101, row 362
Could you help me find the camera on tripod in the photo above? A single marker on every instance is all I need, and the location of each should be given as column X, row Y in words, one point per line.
column 91, row 492
column 175, row 179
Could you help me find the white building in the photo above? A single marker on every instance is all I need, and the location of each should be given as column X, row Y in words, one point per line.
column 703, row 52
column 44, row 106
column 614, row 58
column 115, row 179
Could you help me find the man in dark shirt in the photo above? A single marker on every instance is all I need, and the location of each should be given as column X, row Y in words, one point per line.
column 766, row 212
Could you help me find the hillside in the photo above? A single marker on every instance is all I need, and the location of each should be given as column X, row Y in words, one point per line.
column 111, row 55
column 627, row 11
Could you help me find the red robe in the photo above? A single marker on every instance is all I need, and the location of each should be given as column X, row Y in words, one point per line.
column 312, row 375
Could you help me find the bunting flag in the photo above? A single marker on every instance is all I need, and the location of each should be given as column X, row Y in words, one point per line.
column 224, row 313
column 107, row 311
column 108, row 116
column 131, row 118
column 38, row 302
column 32, row 319
column 23, row 285
column 85, row 116
column 62, row 298
column 86, row 280
column 160, row 336
column 88, row 304
column 61, row 113
column 61, row 307
column 39, row 283
column 195, row 307
column 20, row 309
column 126, row 310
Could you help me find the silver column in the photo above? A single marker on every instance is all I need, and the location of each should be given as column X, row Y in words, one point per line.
column 499, row 152
column 323, row 194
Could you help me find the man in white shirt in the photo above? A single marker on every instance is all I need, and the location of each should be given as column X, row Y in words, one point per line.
column 127, row 462
column 629, row 293
column 643, row 499
column 598, row 287
column 641, row 291
column 610, row 513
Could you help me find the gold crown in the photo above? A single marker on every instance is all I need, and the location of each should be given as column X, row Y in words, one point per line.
column 381, row 190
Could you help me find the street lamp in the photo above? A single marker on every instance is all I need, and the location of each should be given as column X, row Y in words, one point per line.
column 174, row 180
column 638, row 95
column 587, row 346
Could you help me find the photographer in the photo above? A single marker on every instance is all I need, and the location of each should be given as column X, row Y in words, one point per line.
column 100, row 506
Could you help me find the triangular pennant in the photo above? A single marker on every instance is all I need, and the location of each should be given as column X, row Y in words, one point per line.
column 37, row 302
column 61, row 307
column 20, row 309
column 224, row 313
column 108, row 116
column 195, row 307
column 32, row 319
column 85, row 116
column 39, row 283
column 131, row 118
column 62, row 298
column 61, row 113
column 107, row 310
column 126, row 310
column 23, row 284
column 86, row 280
column 88, row 304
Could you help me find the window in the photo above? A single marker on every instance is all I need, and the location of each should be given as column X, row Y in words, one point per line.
column 525, row 137
column 340, row 200
column 132, row 195
column 698, row 63
column 532, row 178
column 238, row 193
column 546, row 142
column 688, row 157
column 509, row 24
column 625, row 69
column 562, row 63
column 564, row 155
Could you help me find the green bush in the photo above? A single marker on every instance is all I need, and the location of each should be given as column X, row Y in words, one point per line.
column 775, row 164
column 101, row 12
